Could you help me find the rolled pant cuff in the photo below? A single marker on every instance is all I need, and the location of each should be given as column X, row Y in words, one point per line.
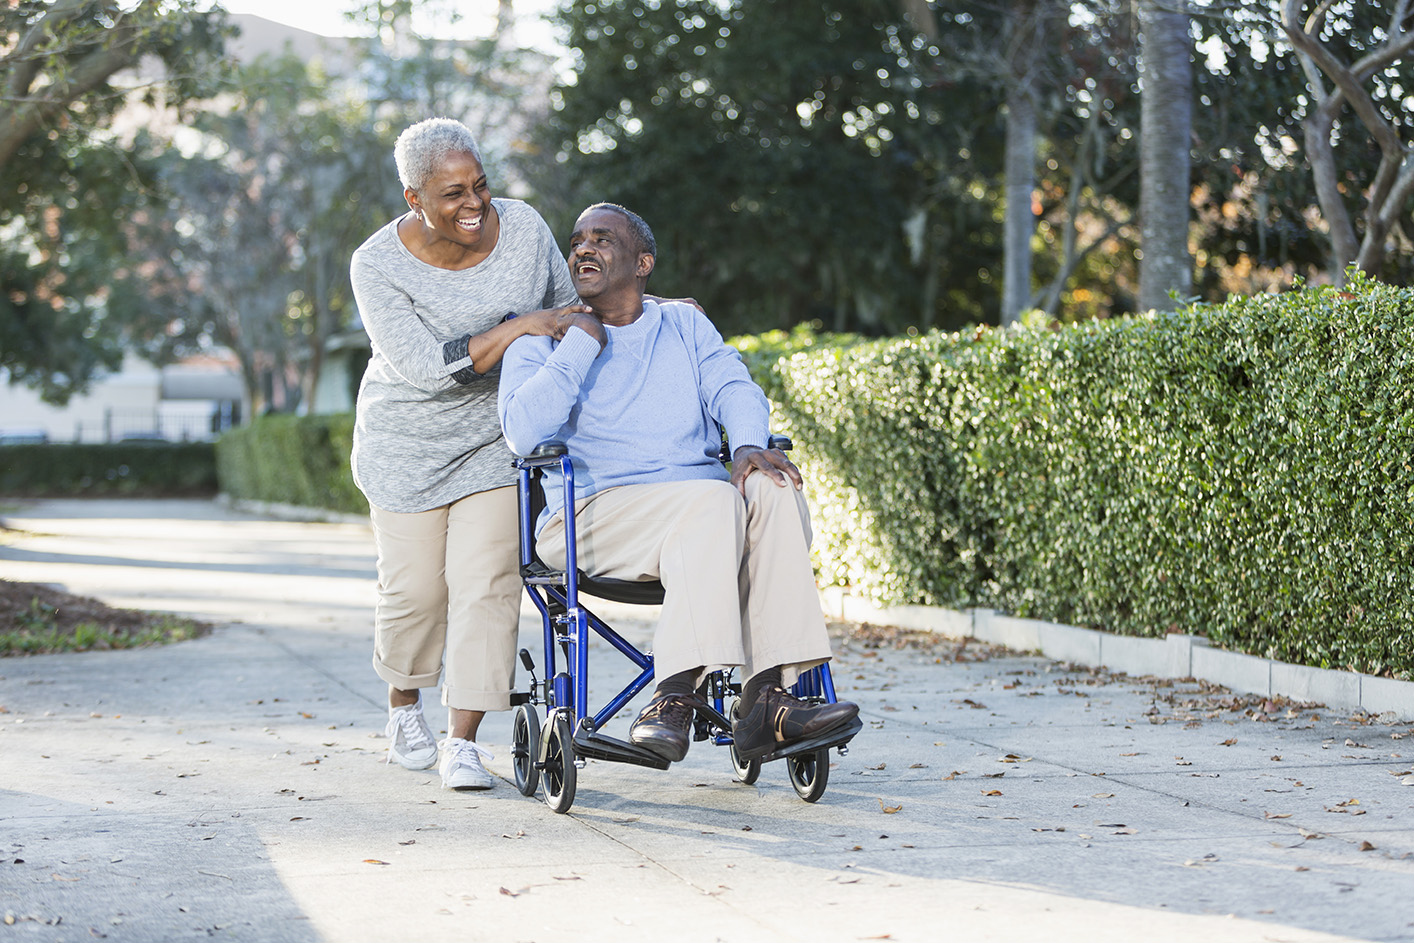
column 405, row 682
column 466, row 699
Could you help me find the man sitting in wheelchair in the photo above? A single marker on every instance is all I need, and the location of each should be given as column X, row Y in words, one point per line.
column 639, row 391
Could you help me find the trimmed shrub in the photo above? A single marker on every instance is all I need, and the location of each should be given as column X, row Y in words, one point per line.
column 1241, row 471
column 301, row 460
column 128, row 469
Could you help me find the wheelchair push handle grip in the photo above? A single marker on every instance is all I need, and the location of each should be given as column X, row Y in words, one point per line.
column 781, row 442
column 546, row 453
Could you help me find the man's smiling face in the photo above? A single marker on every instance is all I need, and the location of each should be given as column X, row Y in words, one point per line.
column 604, row 257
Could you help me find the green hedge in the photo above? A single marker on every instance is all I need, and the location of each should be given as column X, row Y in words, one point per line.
column 138, row 469
column 302, row 460
column 1241, row 471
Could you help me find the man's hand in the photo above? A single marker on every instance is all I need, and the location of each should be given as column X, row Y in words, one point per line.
column 592, row 326
column 552, row 322
column 770, row 462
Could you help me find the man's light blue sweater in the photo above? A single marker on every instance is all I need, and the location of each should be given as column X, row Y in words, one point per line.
column 645, row 410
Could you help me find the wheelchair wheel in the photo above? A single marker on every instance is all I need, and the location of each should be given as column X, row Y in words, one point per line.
column 559, row 773
column 746, row 770
column 525, row 741
column 809, row 773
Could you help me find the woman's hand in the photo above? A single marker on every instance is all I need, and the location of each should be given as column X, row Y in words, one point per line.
column 690, row 301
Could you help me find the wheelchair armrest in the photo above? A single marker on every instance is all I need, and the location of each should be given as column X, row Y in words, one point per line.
column 546, row 453
column 774, row 442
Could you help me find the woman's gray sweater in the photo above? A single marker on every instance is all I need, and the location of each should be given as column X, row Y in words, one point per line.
column 426, row 430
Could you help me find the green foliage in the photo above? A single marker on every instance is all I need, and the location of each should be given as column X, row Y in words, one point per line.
column 42, row 639
column 1241, row 471
column 126, row 469
column 301, row 460
column 783, row 154
column 36, row 619
column 70, row 183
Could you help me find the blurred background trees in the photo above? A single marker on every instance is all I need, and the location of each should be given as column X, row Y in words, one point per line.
column 878, row 166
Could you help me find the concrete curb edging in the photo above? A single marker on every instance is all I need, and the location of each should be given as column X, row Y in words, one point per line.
column 1175, row 656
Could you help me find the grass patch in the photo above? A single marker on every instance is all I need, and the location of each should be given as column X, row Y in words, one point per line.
column 39, row 620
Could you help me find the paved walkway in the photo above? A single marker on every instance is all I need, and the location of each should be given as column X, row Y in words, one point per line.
column 234, row 787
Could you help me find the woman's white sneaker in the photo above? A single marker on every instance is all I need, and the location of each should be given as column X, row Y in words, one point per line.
column 461, row 765
column 410, row 739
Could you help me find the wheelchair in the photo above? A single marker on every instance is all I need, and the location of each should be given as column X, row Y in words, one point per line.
column 552, row 754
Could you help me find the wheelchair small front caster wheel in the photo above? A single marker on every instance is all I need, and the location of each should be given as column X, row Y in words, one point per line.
column 559, row 774
column 525, row 741
column 809, row 773
column 746, row 770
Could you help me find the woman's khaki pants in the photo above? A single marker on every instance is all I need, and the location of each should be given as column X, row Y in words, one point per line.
column 449, row 580
column 738, row 585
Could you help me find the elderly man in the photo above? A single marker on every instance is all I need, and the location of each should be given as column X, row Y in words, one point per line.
column 637, row 389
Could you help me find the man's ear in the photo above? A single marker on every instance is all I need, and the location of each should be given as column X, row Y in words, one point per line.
column 645, row 265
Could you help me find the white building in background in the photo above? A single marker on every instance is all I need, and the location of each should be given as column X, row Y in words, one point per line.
column 191, row 401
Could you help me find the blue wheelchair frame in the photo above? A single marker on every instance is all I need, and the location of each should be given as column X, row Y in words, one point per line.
column 572, row 733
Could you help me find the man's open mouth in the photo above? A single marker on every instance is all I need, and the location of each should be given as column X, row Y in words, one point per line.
column 586, row 267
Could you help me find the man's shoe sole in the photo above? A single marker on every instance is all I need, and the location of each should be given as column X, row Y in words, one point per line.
column 667, row 751
column 837, row 735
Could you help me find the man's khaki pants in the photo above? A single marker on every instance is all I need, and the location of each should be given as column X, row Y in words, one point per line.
column 738, row 586
column 449, row 578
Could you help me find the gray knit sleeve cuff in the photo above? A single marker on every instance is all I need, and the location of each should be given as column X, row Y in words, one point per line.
column 454, row 355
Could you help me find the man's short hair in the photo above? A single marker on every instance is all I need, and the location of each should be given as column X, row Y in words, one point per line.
column 642, row 234
column 423, row 146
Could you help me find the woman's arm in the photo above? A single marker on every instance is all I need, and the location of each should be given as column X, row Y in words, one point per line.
column 421, row 358
column 487, row 348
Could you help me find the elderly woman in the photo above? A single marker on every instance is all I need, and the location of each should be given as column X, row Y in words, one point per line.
column 434, row 289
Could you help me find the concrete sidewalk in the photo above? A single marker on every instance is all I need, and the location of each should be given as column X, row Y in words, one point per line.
column 235, row 787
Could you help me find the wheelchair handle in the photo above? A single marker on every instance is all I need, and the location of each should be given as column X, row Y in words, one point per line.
column 546, row 453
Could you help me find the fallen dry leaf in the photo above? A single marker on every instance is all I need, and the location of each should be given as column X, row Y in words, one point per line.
column 991, row 792
column 1103, row 795
column 374, row 861
column 1366, row 846
column 1277, row 815
column 1228, row 742
column 889, row 809
column 508, row 892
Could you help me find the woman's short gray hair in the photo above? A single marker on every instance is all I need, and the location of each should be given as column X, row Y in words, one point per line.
column 421, row 147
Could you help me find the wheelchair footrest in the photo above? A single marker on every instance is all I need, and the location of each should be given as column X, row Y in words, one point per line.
column 825, row 740
column 597, row 746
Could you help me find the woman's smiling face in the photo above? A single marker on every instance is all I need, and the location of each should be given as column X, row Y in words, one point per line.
column 456, row 202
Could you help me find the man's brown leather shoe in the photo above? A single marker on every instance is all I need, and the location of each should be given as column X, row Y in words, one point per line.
column 778, row 718
column 664, row 726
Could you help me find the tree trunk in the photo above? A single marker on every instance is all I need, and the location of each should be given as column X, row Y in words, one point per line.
column 1393, row 185
column 1020, row 221
column 1166, row 117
